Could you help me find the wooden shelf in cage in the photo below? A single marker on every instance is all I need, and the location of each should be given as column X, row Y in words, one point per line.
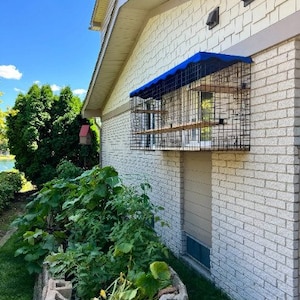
column 149, row 111
column 219, row 89
column 186, row 126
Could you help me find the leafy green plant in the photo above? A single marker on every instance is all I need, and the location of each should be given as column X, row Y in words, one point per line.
column 67, row 169
column 39, row 243
column 40, row 217
column 91, row 228
column 142, row 286
column 10, row 183
column 134, row 241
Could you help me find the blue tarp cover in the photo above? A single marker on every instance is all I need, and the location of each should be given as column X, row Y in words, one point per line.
column 216, row 62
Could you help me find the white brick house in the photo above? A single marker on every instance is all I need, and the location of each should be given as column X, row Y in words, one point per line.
column 232, row 207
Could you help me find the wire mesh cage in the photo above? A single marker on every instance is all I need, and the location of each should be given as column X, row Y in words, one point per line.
column 203, row 107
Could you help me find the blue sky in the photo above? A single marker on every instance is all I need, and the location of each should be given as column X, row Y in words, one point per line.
column 48, row 42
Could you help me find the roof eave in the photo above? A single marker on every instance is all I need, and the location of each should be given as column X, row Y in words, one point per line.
column 115, row 51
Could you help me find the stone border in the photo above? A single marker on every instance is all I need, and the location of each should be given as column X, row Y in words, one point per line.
column 6, row 236
column 181, row 293
column 47, row 288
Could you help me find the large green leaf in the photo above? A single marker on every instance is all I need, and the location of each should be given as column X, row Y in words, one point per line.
column 160, row 270
column 101, row 190
column 148, row 285
column 123, row 248
column 49, row 243
column 128, row 295
column 33, row 267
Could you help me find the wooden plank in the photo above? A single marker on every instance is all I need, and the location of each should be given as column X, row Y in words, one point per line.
column 179, row 127
column 219, row 89
column 148, row 111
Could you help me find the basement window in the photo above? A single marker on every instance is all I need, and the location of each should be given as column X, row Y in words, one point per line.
column 198, row 251
column 201, row 104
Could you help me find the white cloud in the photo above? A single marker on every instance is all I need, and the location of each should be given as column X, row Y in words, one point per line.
column 37, row 82
column 19, row 90
column 10, row 72
column 79, row 92
column 55, row 87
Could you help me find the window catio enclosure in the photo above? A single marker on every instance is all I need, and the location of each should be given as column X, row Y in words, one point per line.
column 202, row 104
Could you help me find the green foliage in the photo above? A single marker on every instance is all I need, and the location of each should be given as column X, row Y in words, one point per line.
column 91, row 228
column 10, row 183
column 142, row 286
column 66, row 169
column 43, row 129
column 3, row 129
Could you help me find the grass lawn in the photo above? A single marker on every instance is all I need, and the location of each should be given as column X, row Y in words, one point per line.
column 7, row 157
column 15, row 282
column 198, row 287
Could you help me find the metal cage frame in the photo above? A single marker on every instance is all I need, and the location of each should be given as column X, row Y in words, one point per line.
column 203, row 106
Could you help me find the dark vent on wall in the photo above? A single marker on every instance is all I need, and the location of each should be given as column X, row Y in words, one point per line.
column 213, row 18
column 247, row 2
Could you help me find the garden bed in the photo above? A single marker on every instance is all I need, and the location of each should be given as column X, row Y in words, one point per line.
column 47, row 288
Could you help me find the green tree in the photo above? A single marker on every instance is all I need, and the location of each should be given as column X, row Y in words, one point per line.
column 3, row 137
column 44, row 130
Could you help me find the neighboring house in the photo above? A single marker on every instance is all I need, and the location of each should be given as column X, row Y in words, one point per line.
column 205, row 104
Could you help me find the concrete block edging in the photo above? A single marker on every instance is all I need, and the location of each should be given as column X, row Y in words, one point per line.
column 47, row 288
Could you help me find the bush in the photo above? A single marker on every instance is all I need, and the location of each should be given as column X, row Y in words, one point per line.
column 66, row 169
column 91, row 228
column 10, row 183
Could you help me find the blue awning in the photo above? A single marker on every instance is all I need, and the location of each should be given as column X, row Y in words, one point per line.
column 199, row 65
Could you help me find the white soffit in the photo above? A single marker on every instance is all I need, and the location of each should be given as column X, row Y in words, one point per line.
column 131, row 16
column 99, row 14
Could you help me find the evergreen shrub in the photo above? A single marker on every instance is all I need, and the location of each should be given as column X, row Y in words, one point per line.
column 10, row 183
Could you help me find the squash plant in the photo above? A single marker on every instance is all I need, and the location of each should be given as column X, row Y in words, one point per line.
column 142, row 286
column 90, row 229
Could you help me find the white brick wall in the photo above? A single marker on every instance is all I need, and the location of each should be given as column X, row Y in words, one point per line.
column 172, row 37
column 266, row 213
column 255, row 194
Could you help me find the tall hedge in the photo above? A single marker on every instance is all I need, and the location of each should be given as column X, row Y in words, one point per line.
column 44, row 129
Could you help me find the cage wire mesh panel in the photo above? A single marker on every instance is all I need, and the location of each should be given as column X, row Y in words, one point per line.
column 204, row 106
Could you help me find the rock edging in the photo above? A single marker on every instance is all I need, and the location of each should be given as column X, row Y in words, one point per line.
column 47, row 288
column 180, row 293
